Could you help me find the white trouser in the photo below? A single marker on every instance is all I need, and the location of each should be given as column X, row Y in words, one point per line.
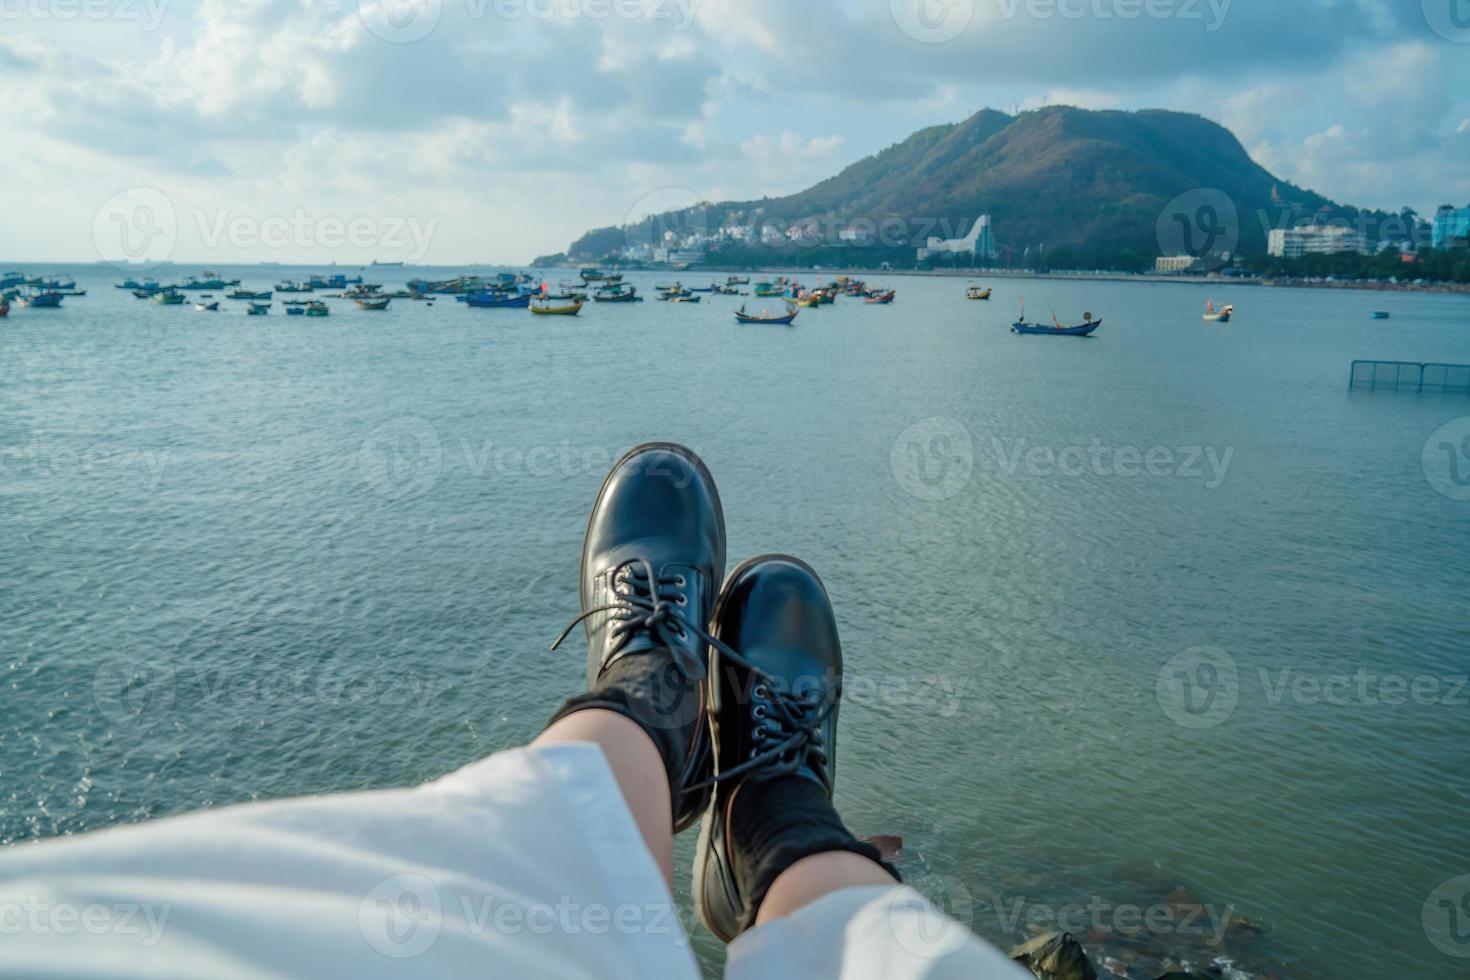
column 525, row 864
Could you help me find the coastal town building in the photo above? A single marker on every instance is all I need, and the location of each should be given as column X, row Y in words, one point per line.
column 979, row 243
column 1293, row 243
column 1174, row 264
column 1451, row 226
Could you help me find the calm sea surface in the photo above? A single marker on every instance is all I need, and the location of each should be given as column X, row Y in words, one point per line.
column 1170, row 615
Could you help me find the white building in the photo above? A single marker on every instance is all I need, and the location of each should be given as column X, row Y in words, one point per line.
column 1175, row 263
column 980, row 243
column 1293, row 243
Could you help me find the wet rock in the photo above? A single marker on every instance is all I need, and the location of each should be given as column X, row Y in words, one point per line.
column 1055, row 956
column 890, row 848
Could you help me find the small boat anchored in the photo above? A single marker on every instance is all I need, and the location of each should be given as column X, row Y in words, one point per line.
column 975, row 292
column 1221, row 315
column 373, row 305
column 766, row 316
column 549, row 307
column 1056, row 329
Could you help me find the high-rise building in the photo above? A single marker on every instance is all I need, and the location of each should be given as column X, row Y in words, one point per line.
column 1293, row 243
column 980, row 243
column 1451, row 225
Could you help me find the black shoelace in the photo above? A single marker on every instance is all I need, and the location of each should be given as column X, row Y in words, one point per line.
column 788, row 726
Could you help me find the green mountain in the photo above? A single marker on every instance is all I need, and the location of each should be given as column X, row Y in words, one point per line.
column 1092, row 185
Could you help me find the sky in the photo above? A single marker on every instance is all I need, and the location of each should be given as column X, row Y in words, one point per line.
column 491, row 131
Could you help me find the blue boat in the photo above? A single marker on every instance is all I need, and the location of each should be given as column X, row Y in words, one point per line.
column 295, row 310
column 1081, row 330
column 499, row 301
column 1380, row 315
column 781, row 320
column 40, row 299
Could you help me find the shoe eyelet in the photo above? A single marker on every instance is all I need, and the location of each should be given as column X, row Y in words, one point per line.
column 761, row 691
column 760, row 711
column 680, row 581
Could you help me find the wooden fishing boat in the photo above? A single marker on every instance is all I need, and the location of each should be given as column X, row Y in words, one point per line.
column 1055, row 330
column 738, row 281
column 258, row 309
column 617, row 294
column 975, row 292
column 208, row 307
column 809, row 300
column 374, row 305
column 246, row 294
column 318, row 309
column 881, row 299
column 767, row 289
column 685, row 299
column 784, row 319
column 547, row 308
column 498, row 301
column 40, row 299
column 293, row 309
column 168, row 297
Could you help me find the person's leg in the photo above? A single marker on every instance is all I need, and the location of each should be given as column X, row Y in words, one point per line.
column 652, row 563
column 775, row 686
column 638, row 768
column 813, row 877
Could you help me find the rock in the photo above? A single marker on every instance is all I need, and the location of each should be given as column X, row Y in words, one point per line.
column 1055, row 956
column 890, row 848
column 1115, row 967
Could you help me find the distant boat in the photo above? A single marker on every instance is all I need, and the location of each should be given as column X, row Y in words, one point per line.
column 685, row 299
column 617, row 294
column 767, row 289
column 168, row 297
column 257, row 309
column 207, row 307
column 1056, row 330
column 597, row 275
column 318, row 309
column 248, row 295
column 374, row 305
column 387, row 265
column 784, row 319
column 1380, row 315
column 975, row 292
column 208, row 280
column 293, row 287
column 882, row 299
column 738, row 281
column 490, row 300
column 1221, row 315
column 551, row 308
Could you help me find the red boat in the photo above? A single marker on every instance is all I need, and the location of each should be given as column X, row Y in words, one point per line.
column 882, row 298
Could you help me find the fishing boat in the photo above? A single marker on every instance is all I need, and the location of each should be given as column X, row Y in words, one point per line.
column 827, row 296
column 318, row 309
column 685, row 299
column 207, row 307
column 168, row 297
column 294, row 287
column 617, row 294
column 374, row 305
column 492, row 300
column 258, row 309
column 597, row 275
column 1221, row 315
column 767, row 289
column 293, row 310
column 738, row 281
column 208, row 280
column 976, row 292
column 808, row 300
column 783, row 319
column 551, row 308
column 1380, row 314
column 881, row 299
column 1055, row 329
column 246, row 294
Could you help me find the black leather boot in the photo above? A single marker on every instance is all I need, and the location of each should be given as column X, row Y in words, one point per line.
column 775, row 686
column 652, row 564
